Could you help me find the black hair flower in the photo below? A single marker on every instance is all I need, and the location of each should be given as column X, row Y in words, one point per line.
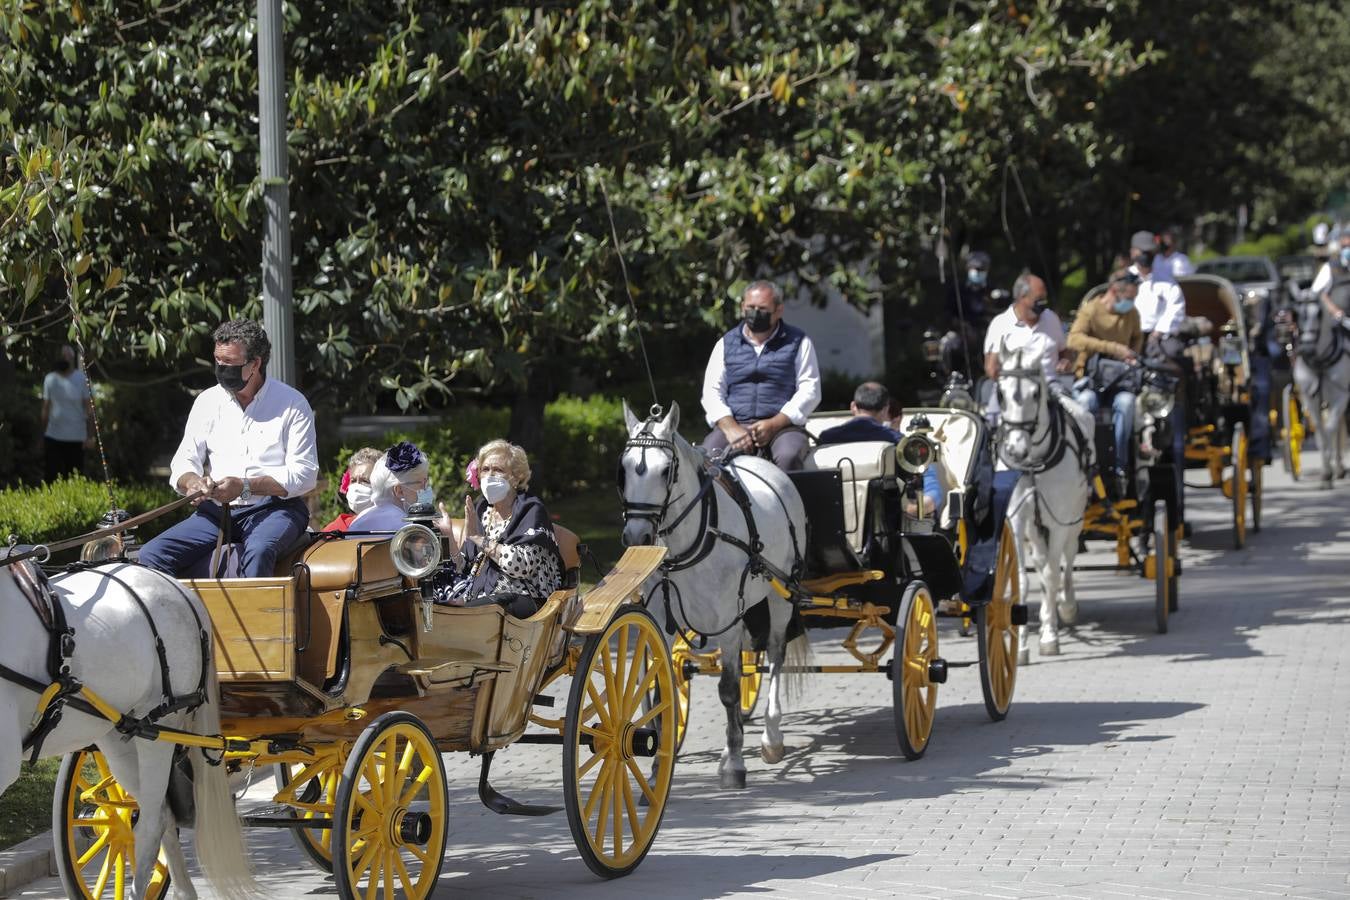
column 403, row 456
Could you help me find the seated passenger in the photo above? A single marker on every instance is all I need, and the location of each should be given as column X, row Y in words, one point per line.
column 256, row 436
column 397, row 481
column 510, row 553
column 355, row 488
column 871, row 408
column 1107, row 327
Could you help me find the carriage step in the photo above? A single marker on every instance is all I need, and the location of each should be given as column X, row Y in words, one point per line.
column 543, row 700
column 501, row 804
column 282, row 817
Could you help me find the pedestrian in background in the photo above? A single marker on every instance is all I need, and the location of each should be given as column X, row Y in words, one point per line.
column 67, row 417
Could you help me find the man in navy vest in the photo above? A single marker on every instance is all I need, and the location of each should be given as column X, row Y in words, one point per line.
column 762, row 382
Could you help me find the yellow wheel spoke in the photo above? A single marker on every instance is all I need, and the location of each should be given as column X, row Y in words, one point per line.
column 599, row 790
column 389, row 875
column 634, row 822
column 607, row 670
column 604, row 807
column 109, row 862
column 94, row 850
column 417, row 852
column 642, row 782
column 620, row 781
column 406, row 798
column 652, row 713
column 631, row 700
column 621, row 670
column 600, row 706
column 404, row 876
column 589, row 764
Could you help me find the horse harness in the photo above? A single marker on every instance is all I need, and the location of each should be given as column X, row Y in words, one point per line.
column 711, row 474
column 63, row 688
column 1056, row 433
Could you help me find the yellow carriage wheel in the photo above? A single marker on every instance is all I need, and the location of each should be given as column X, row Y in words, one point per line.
column 1294, row 433
column 1238, row 457
column 681, row 653
column 614, row 803
column 311, row 798
column 92, row 820
column 750, row 681
column 913, row 690
column 996, row 632
column 1256, row 488
column 389, row 818
column 1161, row 567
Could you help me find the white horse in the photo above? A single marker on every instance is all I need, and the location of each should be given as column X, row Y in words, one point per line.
column 1322, row 373
column 1047, row 503
column 115, row 655
column 709, row 581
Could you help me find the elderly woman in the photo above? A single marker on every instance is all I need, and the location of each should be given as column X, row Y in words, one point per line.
column 397, row 481
column 355, row 488
column 510, row 552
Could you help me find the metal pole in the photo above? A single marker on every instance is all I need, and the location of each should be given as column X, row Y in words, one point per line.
column 276, row 254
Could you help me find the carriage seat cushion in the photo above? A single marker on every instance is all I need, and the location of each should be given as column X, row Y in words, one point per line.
column 858, row 461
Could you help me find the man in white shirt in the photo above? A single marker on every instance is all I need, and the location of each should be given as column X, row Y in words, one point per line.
column 1162, row 308
column 249, row 449
column 1028, row 324
column 1338, row 258
column 761, row 382
column 1170, row 263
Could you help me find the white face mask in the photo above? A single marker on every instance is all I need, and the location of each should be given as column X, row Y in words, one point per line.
column 495, row 488
column 359, row 497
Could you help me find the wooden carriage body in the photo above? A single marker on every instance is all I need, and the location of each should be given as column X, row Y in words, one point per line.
column 337, row 637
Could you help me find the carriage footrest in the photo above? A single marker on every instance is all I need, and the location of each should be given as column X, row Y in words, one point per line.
column 501, row 804
column 282, row 817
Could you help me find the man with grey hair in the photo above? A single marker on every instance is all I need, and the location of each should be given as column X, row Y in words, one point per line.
column 1030, row 325
column 248, row 452
column 761, row 383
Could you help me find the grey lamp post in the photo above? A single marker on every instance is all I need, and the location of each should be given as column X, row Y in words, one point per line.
column 276, row 251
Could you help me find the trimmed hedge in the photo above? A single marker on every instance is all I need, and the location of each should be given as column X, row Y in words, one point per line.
column 71, row 506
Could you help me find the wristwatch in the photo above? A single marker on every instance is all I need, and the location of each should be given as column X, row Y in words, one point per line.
column 246, row 493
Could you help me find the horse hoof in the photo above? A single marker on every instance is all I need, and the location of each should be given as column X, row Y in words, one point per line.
column 1068, row 612
column 771, row 754
column 1324, row 484
column 1050, row 647
column 732, row 780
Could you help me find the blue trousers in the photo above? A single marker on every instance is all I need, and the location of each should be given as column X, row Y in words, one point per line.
column 1122, row 418
column 1259, row 434
column 265, row 529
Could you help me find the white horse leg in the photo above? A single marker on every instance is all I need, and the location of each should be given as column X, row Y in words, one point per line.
column 11, row 747
column 771, row 741
column 731, row 770
column 1049, row 640
column 1068, row 606
column 179, row 876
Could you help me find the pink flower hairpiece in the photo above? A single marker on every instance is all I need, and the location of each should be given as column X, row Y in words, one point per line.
column 346, row 482
column 471, row 474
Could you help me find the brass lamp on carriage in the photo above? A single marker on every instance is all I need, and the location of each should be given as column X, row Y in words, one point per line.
column 416, row 551
column 121, row 546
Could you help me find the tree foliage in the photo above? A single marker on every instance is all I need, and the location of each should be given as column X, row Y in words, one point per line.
column 452, row 165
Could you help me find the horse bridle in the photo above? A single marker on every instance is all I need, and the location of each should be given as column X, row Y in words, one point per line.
column 1007, row 426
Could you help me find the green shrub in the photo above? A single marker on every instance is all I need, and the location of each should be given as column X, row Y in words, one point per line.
column 72, row 506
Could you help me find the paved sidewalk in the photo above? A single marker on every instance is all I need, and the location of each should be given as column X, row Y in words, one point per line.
column 1208, row 762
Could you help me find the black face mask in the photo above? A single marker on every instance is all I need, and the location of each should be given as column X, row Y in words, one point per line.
column 1145, row 258
column 231, row 378
column 758, row 320
column 1040, row 306
column 62, row 364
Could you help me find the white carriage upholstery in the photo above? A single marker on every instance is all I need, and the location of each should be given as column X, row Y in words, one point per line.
column 956, row 432
column 858, row 463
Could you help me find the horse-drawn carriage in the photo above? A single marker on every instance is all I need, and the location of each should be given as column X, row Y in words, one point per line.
column 1220, row 411
column 342, row 677
column 874, row 563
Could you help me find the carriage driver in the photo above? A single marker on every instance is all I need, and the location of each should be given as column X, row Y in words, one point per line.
column 761, row 383
column 257, row 436
column 1107, row 327
column 1029, row 324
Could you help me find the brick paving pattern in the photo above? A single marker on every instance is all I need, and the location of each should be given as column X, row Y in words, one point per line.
column 1208, row 762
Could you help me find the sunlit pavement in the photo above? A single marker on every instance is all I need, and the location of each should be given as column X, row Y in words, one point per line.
column 1207, row 762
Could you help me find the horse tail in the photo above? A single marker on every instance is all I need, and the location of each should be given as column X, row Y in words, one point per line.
column 219, row 837
column 796, row 656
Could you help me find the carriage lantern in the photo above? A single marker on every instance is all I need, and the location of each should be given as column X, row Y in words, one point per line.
column 932, row 346
column 1230, row 345
column 112, row 546
column 916, row 451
